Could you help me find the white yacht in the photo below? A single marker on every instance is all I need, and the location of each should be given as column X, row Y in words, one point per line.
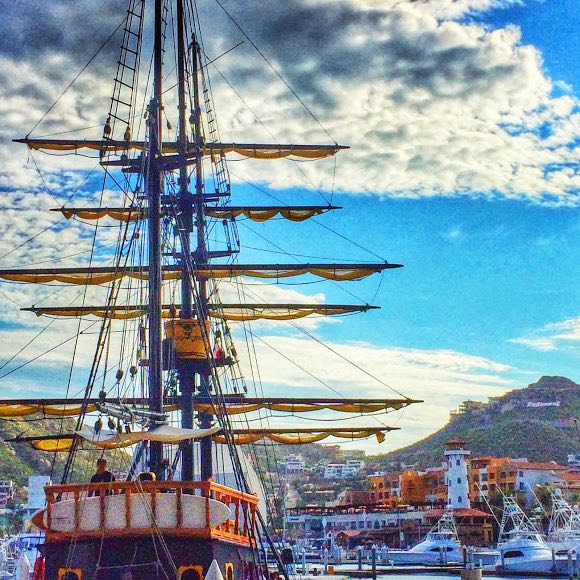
column 440, row 546
column 522, row 548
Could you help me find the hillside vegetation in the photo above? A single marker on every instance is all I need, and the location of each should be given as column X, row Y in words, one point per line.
column 18, row 460
column 539, row 422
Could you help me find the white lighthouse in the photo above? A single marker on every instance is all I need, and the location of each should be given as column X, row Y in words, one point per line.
column 457, row 482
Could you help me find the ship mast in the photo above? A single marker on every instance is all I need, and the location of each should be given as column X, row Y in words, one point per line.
column 153, row 188
column 188, row 210
column 185, row 372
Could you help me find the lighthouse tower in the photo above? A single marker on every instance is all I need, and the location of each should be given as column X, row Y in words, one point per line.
column 457, row 482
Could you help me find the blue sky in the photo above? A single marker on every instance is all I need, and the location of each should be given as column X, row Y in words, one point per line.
column 463, row 123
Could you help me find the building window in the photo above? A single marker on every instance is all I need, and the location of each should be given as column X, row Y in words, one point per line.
column 522, row 486
column 457, row 462
column 521, row 473
column 459, row 480
column 459, row 499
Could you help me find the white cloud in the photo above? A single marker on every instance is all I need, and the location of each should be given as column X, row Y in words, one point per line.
column 556, row 336
column 442, row 378
column 429, row 105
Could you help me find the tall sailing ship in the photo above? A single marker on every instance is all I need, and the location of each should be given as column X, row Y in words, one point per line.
column 165, row 385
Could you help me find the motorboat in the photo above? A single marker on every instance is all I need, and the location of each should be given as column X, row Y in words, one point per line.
column 521, row 547
column 440, row 546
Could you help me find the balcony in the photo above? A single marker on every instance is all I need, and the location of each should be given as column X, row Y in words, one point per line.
column 184, row 508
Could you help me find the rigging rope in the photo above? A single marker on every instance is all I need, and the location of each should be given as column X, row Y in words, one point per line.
column 288, row 86
column 77, row 76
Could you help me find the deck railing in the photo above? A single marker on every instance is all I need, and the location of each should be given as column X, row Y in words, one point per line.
column 238, row 528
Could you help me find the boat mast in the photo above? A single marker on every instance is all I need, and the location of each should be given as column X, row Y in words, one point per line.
column 154, row 187
column 191, row 206
column 185, row 373
column 200, row 258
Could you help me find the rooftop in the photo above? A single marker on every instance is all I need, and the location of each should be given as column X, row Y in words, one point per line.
column 551, row 465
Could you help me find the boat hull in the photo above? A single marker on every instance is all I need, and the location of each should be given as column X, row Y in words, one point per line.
column 147, row 557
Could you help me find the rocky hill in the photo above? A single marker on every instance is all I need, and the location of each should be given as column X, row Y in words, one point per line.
column 18, row 461
column 540, row 422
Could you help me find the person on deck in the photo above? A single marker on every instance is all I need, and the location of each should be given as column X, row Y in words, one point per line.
column 103, row 475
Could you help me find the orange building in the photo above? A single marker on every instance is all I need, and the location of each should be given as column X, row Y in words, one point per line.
column 413, row 488
column 385, row 488
column 487, row 475
column 435, row 481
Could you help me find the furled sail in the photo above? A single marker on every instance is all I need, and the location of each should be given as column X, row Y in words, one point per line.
column 251, row 150
column 71, row 407
column 57, row 443
column 257, row 213
column 302, row 436
column 231, row 312
column 106, row 274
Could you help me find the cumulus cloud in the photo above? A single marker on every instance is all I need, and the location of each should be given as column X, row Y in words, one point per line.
column 562, row 335
column 429, row 105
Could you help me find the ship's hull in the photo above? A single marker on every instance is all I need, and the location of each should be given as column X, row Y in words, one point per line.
column 125, row 558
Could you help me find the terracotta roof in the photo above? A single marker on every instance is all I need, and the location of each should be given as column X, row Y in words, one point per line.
column 535, row 465
column 571, row 476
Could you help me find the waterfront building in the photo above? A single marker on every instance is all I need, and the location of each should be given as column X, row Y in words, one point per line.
column 574, row 461
column 529, row 474
column 36, row 497
column 485, row 477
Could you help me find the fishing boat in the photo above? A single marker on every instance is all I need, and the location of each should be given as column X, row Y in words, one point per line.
column 522, row 548
column 564, row 529
column 440, row 546
column 166, row 388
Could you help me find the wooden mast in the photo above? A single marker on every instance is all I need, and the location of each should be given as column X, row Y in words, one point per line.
column 186, row 374
column 154, row 188
column 201, row 256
